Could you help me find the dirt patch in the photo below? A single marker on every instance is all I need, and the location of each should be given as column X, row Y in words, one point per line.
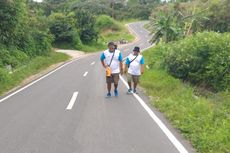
column 72, row 53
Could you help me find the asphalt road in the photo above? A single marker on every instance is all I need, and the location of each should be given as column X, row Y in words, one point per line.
column 66, row 112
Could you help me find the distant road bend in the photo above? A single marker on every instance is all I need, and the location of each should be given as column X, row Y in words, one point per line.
column 66, row 111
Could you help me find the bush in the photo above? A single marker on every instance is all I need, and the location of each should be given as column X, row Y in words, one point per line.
column 201, row 59
column 4, row 56
column 105, row 22
column 218, row 13
column 42, row 43
column 86, row 26
column 4, row 75
column 12, row 57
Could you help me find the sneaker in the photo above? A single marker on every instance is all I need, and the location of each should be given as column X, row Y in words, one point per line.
column 135, row 91
column 108, row 95
column 130, row 91
column 116, row 93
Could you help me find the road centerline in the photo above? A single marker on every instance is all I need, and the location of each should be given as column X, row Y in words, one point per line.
column 72, row 101
column 85, row 74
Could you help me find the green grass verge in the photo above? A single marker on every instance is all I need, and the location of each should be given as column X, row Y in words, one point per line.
column 203, row 119
column 34, row 66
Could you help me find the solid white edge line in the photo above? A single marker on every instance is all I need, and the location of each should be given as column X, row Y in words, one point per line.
column 85, row 74
column 166, row 131
column 39, row 79
column 72, row 101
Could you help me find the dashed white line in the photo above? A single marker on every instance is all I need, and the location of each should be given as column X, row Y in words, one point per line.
column 85, row 74
column 25, row 87
column 72, row 101
column 93, row 63
column 166, row 131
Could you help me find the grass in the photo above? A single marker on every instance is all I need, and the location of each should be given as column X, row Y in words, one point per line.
column 34, row 66
column 116, row 35
column 204, row 119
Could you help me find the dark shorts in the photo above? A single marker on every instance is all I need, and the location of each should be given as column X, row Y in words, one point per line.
column 134, row 78
column 113, row 79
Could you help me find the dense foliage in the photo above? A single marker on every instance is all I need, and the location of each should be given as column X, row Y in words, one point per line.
column 203, row 59
column 173, row 21
column 20, row 37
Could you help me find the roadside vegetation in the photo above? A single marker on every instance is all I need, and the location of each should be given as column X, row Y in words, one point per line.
column 29, row 31
column 189, row 75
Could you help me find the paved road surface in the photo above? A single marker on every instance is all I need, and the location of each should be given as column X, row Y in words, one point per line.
column 36, row 119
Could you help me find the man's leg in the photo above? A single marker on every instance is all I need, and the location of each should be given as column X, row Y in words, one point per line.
column 136, row 81
column 109, row 85
column 130, row 84
column 129, row 77
column 115, row 81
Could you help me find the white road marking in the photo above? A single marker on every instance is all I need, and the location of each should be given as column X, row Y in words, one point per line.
column 85, row 74
column 72, row 101
column 93, row 63
column 166, row 131
column 30, row 84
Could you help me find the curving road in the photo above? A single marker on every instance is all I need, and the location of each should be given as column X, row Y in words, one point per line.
column 66, row 112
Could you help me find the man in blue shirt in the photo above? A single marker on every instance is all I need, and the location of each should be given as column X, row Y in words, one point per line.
column 111, row 60
column 135, row 67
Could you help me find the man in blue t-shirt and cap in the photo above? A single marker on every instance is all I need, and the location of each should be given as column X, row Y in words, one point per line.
column 111, row 60
column 135, row 67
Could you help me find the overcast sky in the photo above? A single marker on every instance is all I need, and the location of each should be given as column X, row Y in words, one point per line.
column 38, row 0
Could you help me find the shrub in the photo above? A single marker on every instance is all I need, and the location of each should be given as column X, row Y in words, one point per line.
column 86, row 26
column 105, row 22
column 12, row 57
column 201, row 59
column 42, row 43
column 4, row 75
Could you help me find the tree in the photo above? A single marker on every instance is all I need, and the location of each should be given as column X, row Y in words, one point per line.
column 13, row 20
column 86, row 26
column 165, row 27
column 62, row 27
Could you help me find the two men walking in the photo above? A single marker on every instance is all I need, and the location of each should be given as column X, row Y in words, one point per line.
column 111, row 60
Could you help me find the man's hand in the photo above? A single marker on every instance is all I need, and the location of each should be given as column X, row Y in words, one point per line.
column 106, row 66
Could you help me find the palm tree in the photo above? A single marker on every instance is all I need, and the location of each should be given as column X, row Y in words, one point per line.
column 164, row 27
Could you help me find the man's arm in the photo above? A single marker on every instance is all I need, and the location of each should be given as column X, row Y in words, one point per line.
column 142, row 65
column 121, row 68
column 142, row 68
column 103, row 64
column 102, row 58
column 121, row 63
column 127, row 62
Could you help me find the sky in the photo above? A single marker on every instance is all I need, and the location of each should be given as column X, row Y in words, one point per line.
column 38, row 0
